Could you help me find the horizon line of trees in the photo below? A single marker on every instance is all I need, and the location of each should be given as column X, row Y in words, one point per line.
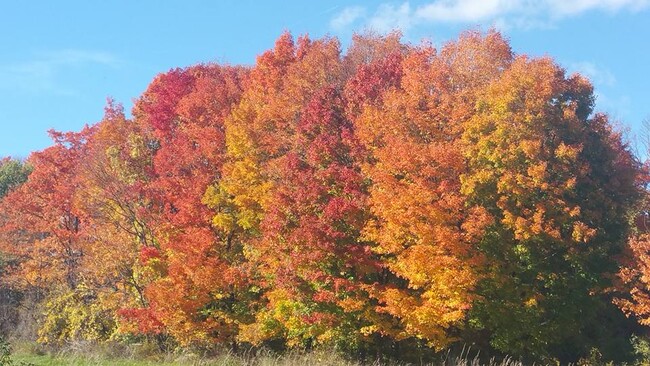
column 393, row 198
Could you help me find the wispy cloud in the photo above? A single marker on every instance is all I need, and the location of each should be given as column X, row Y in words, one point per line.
column 389, row 17
column 597, row 74
column 39, row 74
column 562, row 8
column 347, row 17
column 618, row 107
column 463, row 11
column 502, row 13
column 609, row 96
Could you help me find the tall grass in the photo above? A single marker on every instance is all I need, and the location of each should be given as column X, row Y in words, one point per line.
column 84, row 353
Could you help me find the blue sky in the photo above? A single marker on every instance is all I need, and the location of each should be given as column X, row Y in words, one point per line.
column 60, row 60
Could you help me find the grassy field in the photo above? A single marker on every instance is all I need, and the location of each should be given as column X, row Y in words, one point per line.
column 57, row 360
column 48, row 360
column 260, row 359
column 101, row 358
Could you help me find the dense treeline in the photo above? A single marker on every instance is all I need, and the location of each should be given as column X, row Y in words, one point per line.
column 392, row 199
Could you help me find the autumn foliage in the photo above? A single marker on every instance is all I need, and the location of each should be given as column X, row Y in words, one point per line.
column 394, row 196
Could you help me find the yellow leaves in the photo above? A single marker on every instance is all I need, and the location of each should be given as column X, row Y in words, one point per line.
column 351, row 304
column 242, row 192
column 286, row 318
column 414, row 265
column 518, row 224
column 531, row 223
column 582, row 233
column 217, row 199
column 369, row 330
column 531, row 303
column 471, row 183
column 531, row 148
column 78, row 314
column 427, row 319
column 567, row 153
column 522, row 150
column 239, row 142
column 538, row 173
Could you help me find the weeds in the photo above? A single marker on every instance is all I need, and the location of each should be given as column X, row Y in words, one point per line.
column 142, row 354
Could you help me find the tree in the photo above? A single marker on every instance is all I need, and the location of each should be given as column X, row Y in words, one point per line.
column 113, row 199
column 559, row 184
column 393, row 198
column 424, row 232
column 313, row 264
column 259, row 134
column 633, row 287
column 199, row 277
column 43, row 209
column 51, row 242
column 13, row 173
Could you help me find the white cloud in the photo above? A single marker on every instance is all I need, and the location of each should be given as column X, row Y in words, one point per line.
column 463, row 10
column 619, row 108
column 596, row 74
column 524, row 14
column 347, row 17
column 40, row 73
column 72, row 56
column 563, row 8
column 389, row 17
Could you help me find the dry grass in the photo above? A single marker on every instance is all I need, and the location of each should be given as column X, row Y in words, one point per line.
column 82, row 354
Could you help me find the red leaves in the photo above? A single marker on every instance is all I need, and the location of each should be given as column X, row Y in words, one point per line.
column 148, row 253
column 186, row 109
column 140, row 321
column 159, row 102
column 310, row 234
column 370, row 81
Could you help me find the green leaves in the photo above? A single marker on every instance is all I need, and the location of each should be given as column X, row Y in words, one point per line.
column 13, row 173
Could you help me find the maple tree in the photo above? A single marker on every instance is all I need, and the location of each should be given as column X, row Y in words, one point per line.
column 423, row 229
column 558, row 183
column 239, row 196
column 184, row 110
column 116, row 209
column 281, row 84
column 51, row 242
column 44, row 206
column 633, row 286
column 313, row 262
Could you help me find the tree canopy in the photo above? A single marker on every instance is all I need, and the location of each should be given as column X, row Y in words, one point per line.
column 394, row 196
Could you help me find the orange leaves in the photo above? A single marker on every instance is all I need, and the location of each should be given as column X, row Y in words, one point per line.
column 633, row 287
column 415, row 161
column 635, row 278
column 43, row 209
